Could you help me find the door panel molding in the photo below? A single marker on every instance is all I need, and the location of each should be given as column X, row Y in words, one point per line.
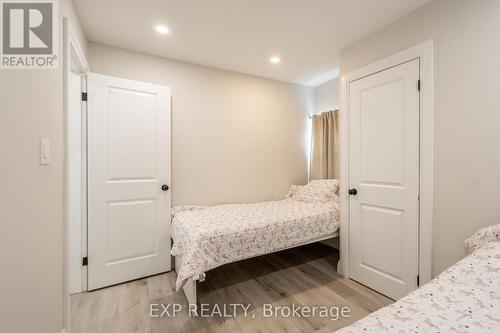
column 129, row 158
column 424, row 52
column 384, row 146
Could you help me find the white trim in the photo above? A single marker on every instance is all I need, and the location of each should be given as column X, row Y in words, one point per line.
column 75, row 57
column 83, row 230
column 75, row 186
column 72, row 53
column 424, row 52
column 78, row 53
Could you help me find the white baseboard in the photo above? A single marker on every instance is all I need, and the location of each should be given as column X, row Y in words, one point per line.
column 339, row 269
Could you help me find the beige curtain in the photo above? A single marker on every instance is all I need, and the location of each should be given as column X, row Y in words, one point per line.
column 325, row 146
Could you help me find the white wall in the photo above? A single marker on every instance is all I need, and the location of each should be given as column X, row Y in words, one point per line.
column 467, row 111
column 326, row 96
column 236, row 138
column 31, row 196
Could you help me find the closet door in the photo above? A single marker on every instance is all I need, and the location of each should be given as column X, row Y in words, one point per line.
column 384, row 179
column 128, row 177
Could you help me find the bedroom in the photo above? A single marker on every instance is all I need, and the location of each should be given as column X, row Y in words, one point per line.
column 260, row 100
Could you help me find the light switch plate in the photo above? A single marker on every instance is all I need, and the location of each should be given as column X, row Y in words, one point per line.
column 44, row 151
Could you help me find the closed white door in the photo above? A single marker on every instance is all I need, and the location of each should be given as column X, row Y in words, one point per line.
column 129, row 143
column 384, row 171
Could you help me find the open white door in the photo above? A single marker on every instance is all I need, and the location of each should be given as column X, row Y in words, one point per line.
column 384, row 171
column 129, row 142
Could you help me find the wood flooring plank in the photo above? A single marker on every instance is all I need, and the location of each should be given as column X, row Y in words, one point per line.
column 304, row 276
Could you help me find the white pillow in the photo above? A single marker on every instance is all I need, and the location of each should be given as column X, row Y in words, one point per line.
column 322, row 190
column 482, row 237
column 292, row 190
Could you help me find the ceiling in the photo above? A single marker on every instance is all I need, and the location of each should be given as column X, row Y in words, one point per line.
column 241, row 35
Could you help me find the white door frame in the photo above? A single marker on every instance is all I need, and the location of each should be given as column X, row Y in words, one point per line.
column 424, row 51
column 76, row 232
column 73, row 57
column 74, row 60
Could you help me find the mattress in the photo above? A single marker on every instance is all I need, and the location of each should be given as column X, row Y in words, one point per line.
column 208, row 237
column 464, row 298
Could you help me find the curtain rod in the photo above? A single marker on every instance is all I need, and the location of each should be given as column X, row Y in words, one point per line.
column 311, row 115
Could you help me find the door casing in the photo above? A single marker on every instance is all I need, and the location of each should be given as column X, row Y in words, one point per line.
column 75, row 226
column 424, row 52
column 74, row 273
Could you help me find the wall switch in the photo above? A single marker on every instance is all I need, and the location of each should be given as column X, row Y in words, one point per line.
column 44, row 151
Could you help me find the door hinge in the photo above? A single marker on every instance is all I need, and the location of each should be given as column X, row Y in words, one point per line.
column 85, row 261
column 418, row 85
column 84, row 96
column 418, row 280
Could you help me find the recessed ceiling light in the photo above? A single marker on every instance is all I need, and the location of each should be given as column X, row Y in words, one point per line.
column 162, row 29
column 275, row 60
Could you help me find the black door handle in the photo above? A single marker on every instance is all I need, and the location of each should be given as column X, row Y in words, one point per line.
column 353, row 191
column 165, row 187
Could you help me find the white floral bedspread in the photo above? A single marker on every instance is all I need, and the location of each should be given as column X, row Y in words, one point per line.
column 464, row 298
column 208, row 237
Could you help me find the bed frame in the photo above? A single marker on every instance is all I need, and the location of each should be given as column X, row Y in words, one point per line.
column 190, row 286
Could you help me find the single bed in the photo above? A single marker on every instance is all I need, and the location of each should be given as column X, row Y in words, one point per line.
column 464, row 298
column 207, row 237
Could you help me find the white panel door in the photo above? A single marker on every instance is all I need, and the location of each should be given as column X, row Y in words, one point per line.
column 128, row 163
column 384, row 170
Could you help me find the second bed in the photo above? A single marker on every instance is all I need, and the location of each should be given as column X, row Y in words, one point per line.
column 207, row 237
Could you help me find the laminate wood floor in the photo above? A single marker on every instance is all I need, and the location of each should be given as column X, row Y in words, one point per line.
column 304, row 276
